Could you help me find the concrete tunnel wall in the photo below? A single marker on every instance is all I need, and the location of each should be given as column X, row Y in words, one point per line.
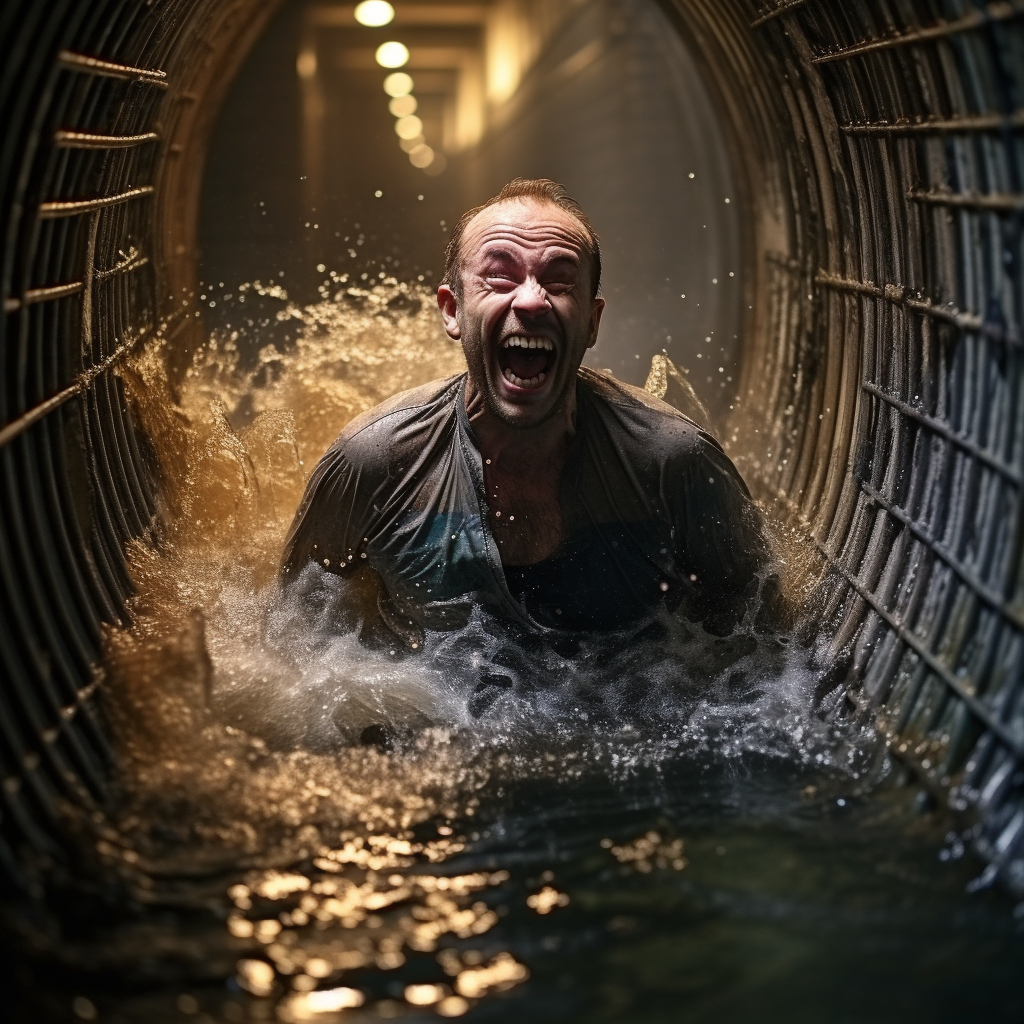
column 879, row 148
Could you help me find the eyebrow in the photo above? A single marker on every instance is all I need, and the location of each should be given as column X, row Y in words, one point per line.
column 506, row 255
column 499, row 254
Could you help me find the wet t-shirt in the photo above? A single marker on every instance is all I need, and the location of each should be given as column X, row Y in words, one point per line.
column 653, row 513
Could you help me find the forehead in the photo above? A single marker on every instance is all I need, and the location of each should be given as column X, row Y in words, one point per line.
column 526, row 225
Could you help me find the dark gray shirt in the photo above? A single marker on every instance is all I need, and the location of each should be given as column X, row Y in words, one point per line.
column 653, row 513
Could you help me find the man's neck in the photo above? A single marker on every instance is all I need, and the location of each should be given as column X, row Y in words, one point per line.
column 522, row 476
column 534, row 448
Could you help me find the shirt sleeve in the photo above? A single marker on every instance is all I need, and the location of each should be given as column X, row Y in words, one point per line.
column 332, row 520
column 719, row 537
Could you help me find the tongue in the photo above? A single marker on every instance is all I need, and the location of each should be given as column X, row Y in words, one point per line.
column 526, row 362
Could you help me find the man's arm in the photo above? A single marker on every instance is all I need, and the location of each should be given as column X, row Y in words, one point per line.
column 720, row 539
column 330, row 529
column 329, row 525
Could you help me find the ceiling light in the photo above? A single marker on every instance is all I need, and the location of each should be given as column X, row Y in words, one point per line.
column 398, row 84
column 401, row 106
column 392, row 55
column 408, row 127
column 421, row 156
column 374, row 13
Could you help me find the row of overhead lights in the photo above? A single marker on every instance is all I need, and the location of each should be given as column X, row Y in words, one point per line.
column 399, row 85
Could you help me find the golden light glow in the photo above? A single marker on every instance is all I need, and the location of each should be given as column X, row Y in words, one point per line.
column 333, row 999
column 501, row 974
column 392, row 55
column 408, row 145
column 408, row 127
column 648, row 852
column 453, row 1006
column 421, row 156
column 398, row 84
column 304, row 1006
column 374, row 13
column 257, row 976
column 436, row 166
column 547, row 899
column 424, row 995
column 305, row 64
column 402, row 106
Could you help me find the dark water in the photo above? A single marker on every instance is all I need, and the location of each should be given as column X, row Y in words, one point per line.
column 692, row 892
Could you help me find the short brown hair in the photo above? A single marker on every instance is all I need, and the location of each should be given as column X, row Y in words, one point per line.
column 543, row 189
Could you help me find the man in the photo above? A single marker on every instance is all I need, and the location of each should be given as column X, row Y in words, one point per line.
column 551, row 495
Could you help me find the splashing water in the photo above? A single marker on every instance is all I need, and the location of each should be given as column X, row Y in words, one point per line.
column 289, row 669
column 388, row 878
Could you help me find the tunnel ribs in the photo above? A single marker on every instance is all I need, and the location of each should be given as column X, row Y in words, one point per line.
column 108, row 69
column 994, row 201
column 975, row 582
column 906, row 133
column 72, row 207
column 81, row 383
column 782, row 7
column 897, row 294
column 89, row 140
column 947, row 433
column 941, row 125
column 966, row 690
column 1004, row 10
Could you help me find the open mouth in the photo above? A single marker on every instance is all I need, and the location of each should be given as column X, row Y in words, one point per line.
column 526, row 362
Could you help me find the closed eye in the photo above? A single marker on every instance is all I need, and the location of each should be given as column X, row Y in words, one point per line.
column 560, row 276
column 558, row 286
column 500, row 280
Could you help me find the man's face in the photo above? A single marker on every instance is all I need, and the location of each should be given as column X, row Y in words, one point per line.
column 525, row 316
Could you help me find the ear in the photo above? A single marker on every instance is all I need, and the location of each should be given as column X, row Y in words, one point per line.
column 595, row 321
column 449, row 306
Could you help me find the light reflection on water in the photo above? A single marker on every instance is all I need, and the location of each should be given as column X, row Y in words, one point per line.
column 653, row 829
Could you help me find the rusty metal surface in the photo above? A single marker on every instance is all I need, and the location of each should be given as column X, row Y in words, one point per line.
column 887, row 318
column 84, row 88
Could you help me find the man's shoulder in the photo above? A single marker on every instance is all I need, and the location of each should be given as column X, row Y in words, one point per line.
column 644, row 417
column 402, row 417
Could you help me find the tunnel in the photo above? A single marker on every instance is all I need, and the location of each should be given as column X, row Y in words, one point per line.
column 875, row 153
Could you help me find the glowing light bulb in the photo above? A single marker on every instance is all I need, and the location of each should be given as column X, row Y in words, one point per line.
column 392, row 55
column 402, row 106
column 398, row 84
column 421, row 156
column 374, row 13
column 408, row 127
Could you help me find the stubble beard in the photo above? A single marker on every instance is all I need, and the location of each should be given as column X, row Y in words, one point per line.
column 497, row 406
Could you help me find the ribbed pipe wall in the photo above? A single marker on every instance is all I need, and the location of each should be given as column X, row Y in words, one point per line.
column 879, row 142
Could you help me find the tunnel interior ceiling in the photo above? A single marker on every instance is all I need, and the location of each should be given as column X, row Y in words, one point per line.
column 877, row 151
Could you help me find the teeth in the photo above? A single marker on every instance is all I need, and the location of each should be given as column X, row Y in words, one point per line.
column 533, row 382
column 518, row 341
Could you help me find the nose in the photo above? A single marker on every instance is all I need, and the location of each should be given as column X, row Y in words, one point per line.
column 531, row 299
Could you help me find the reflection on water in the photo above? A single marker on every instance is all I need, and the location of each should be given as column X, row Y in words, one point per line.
column 646, row 830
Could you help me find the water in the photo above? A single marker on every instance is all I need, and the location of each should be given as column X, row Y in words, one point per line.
column 653, row 826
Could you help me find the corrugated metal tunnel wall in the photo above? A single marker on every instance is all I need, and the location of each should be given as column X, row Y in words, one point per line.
column 879, row 146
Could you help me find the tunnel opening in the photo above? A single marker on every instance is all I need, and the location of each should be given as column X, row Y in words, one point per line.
column 877, row 223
